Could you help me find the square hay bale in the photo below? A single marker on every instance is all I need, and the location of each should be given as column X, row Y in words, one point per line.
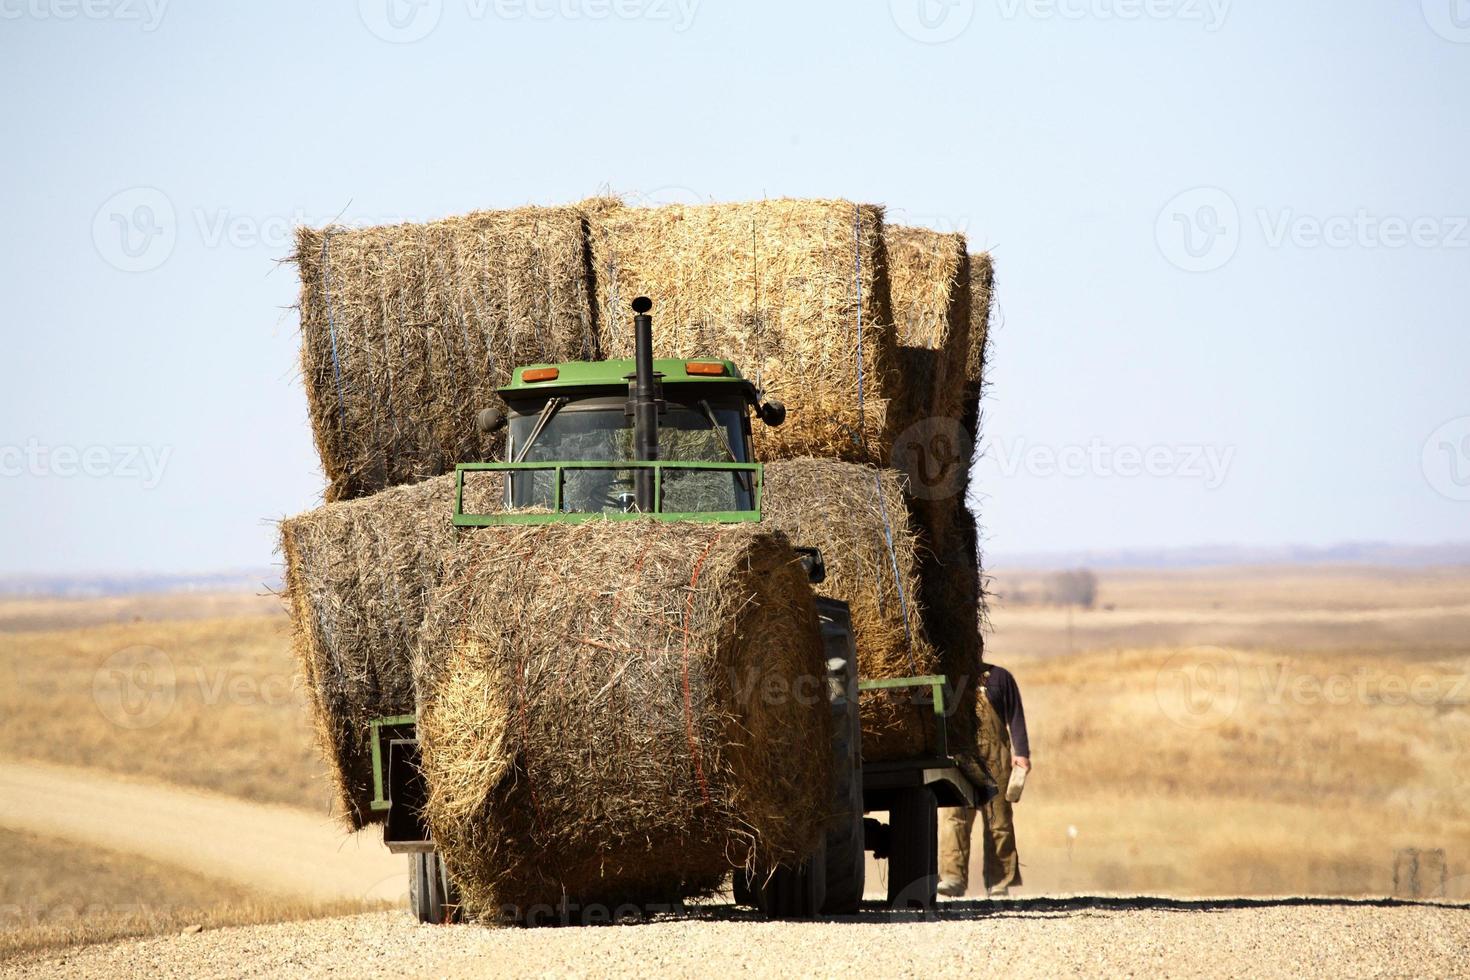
column 794, row 291
column 613, row 712
column 932, row 304
column 982, row 307
column 929, row 276
column 406, row 330
column 358, row 577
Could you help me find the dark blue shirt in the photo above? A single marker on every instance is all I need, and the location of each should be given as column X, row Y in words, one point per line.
column 1005, row 698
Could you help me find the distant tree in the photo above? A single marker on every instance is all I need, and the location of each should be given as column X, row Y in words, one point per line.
column 1074, row 588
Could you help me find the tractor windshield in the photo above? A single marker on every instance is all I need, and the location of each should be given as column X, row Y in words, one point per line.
column 599, row 430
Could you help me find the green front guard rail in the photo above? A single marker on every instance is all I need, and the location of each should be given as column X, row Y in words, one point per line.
column 557, row 516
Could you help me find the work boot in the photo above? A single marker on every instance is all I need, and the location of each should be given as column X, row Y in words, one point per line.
column 952, row 889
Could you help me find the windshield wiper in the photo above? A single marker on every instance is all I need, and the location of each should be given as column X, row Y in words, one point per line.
column 742, row 475
column 552, row 406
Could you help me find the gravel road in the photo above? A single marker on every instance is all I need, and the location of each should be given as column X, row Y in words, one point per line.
column 275, row 849
column 1294, row 938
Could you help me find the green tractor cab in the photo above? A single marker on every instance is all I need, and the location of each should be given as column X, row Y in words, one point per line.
column 667, row 439
column 570, row 444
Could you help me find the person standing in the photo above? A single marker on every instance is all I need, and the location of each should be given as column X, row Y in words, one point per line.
column 1003, row 743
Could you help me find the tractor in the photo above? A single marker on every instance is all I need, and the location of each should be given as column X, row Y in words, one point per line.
column 670, row 439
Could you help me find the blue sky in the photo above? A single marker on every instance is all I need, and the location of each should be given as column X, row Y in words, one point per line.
column 1231, row 237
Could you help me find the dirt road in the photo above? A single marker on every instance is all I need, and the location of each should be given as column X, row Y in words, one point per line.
column 1038, row 938
column 275, row 849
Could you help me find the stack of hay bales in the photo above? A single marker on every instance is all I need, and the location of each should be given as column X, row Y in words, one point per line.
column 611, row 711
column 872, row 334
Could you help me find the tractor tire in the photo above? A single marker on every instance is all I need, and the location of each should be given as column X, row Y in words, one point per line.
column 743, row 891
column 913, row 861
column 431, row 895
column 844, row 857
column 794, row 893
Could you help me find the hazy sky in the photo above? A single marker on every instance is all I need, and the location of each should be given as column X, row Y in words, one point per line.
column 1231, row 238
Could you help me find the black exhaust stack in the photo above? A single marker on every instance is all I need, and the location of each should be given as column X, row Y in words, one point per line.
column 644, row 401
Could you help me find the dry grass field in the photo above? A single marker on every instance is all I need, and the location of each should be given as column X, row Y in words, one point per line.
column 1244, row 731
column 203, row 701
column 1221, row 732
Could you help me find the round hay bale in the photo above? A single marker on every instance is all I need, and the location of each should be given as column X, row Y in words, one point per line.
column 618, row 712
column 358, row 578
column 852, row 513
column 791, row 290
column 407, row 330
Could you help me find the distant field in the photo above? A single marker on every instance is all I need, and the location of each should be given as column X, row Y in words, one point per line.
column 205, row 702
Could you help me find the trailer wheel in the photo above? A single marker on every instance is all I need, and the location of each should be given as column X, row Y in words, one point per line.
column 845, row 864
column 431, row 895
column 793, row 893
column 913, row 861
